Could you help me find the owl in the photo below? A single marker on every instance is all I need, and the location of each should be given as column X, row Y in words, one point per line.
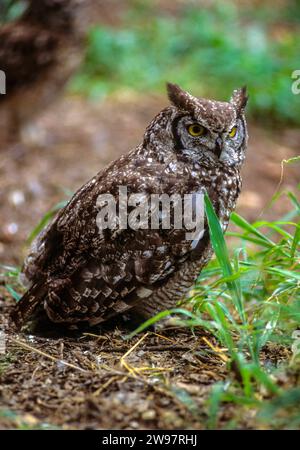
column 38, row 54
column 78, row 272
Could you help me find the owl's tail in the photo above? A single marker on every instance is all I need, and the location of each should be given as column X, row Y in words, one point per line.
column 28, row 304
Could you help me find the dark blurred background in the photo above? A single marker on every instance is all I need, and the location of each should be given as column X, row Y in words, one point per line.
column 132, row 48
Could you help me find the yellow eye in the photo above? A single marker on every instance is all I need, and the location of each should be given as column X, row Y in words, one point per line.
column 196, row 130
column 232, row 132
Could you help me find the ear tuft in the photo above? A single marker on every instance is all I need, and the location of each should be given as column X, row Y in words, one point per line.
column 180, row 98
column 239, row 99
column 174, row 93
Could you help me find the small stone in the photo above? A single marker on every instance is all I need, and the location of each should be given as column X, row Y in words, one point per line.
column 149, row 415
column 17, row 198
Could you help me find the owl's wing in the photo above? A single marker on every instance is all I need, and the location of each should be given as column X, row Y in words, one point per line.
column 82, row 273
column 25, row 53
column 48, row 247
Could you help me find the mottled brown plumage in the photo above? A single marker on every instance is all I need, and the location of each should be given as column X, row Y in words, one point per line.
column 38, row 53
column 78, row 274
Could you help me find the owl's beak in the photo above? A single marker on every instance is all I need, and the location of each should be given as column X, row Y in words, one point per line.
column 219, row 145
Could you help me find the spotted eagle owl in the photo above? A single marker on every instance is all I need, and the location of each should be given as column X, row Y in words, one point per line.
column 38, row 54
column 78, row 273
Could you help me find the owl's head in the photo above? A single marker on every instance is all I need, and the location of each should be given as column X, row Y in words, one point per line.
column 214, row 129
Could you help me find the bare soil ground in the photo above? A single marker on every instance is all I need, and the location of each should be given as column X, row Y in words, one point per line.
column 153, row 381
column 82, row 381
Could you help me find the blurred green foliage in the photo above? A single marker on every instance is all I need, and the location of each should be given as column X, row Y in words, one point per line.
column 209, row 51
column 11, row 9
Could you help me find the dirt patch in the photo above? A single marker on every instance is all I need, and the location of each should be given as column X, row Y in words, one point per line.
column 87, row 381
column 81, row 382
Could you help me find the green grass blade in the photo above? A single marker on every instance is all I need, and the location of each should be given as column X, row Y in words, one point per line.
column 12, row 292
column 44, row 221
column 242, row 223
column 220, row 248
